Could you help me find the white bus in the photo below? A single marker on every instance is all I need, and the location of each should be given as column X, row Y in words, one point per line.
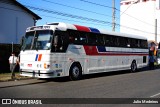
column 60, row 49
column 158, row 56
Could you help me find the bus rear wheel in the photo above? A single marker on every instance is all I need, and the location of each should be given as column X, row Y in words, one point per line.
column 133, row 66
column 75, row 72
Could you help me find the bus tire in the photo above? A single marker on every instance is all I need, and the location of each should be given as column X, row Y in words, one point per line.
column 133, row 66
column 75, row 71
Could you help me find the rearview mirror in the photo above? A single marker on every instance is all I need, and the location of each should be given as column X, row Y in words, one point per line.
column 22, row 40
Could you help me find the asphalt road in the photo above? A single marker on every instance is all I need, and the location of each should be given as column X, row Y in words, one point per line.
column 119, row 85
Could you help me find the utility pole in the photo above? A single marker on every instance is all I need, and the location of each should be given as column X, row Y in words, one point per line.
column 113, row 15
column 156, row 30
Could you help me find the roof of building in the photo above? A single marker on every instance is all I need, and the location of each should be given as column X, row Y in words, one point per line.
column 14, row 2
column 26, row 9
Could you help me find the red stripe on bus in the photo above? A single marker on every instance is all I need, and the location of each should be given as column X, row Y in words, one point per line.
column 82, row 28
column 39, row 57
column 91, row 50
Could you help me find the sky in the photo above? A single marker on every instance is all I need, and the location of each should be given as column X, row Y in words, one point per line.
column 91, row 13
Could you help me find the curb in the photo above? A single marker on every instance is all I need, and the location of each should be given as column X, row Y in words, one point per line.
column 17, row 79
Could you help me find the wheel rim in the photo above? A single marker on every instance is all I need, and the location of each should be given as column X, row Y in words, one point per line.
column 133, row 66
column 75, row 71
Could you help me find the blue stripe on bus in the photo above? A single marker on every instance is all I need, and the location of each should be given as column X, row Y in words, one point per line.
column 36, row 57
column 101, row 49
column 94, row 30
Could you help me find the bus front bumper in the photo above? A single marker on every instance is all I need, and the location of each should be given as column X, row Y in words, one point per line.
column 41, row 74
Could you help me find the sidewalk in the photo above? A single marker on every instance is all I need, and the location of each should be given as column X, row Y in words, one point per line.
column 7, row 77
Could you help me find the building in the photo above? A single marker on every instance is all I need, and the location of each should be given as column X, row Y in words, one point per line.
column 14, row 19
column 141, row 17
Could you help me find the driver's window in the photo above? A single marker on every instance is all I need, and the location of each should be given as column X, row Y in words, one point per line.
column 60, row 42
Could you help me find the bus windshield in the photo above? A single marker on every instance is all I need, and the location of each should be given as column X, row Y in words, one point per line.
column 37, row 40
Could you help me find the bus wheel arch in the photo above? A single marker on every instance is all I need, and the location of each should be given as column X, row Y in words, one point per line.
column 75, row 71
column 134, row 66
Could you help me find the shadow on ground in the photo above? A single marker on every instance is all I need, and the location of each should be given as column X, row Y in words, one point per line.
column 98, row 75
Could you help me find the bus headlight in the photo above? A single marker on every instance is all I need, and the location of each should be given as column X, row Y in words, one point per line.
column 46, row 66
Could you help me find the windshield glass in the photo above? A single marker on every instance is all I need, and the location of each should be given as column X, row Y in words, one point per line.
column 37, row 40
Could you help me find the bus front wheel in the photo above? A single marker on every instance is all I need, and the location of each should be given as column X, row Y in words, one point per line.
column 75, row 71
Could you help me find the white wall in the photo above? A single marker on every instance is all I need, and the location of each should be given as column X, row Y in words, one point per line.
column 139, row 18
column 13, row 23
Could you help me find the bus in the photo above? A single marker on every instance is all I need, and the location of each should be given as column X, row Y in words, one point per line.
column 158, row 56
column 61, row 49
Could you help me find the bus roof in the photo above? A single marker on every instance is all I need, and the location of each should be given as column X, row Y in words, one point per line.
column 65, row 26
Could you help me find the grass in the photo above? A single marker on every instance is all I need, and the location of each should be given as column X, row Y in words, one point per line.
column 7, row 76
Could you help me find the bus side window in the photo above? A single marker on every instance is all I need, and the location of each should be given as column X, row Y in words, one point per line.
column 128, row 42
column 74, row 37
column 60, row 42
column 115, row 41
column 77, row 37
column 82, row 38
column 100, row 39
column 108, row 40
column 133, row 43
column 122, row 42
column 137, row 43
column 92, row 38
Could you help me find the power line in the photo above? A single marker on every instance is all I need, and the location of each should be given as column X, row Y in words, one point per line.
column 72, row 20
column 94, row 23
column 83, row 18
column 96, row 4
column 76, row 8
column 135, row 29
column 68, row 15
column 126, row 9
column 93, row 3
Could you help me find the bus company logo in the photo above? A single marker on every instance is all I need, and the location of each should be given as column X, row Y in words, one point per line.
column 6, row 101
column 38, row 57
